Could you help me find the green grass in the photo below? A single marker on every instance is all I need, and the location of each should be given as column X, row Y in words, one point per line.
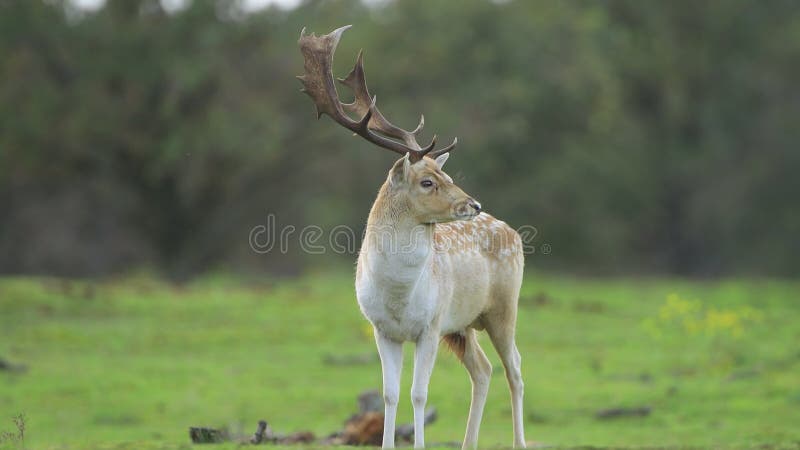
column 133, row 362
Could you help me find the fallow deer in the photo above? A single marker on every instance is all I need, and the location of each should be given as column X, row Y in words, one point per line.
column 432, row 266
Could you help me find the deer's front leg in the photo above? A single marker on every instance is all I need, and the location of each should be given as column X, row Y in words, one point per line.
column 424, row 358
column 391, row 353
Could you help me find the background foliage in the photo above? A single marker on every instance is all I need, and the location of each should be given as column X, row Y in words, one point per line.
column 654, row 137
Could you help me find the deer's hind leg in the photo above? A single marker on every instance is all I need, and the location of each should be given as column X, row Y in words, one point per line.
column 501, row 325
column 480, row 373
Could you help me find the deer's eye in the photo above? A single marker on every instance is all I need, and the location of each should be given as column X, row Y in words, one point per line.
column 426, row 183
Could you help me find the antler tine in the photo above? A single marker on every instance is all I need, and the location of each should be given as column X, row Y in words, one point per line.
column 318, row 84
column 420, row 126
column 430, row 146
column 356, row 81
column 447, row 149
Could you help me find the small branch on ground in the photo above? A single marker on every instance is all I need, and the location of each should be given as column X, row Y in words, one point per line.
column 18, row 437
column 262, row 434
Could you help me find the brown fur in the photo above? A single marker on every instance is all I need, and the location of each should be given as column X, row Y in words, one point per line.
column 457, row 344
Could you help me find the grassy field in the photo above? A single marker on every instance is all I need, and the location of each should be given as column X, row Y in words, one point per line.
column 133, row 362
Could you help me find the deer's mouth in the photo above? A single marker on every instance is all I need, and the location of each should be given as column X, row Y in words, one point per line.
column 465, row 212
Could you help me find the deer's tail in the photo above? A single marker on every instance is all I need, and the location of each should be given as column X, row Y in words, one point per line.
column 457, row 343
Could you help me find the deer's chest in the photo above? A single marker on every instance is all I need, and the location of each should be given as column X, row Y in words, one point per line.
column 398, row 310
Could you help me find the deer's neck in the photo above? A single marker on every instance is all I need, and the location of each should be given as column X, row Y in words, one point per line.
column 398, row 249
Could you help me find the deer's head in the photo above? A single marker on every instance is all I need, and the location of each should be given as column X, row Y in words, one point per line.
column 430, row 193
column 417, row 178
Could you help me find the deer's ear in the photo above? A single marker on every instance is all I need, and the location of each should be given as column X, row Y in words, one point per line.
column 441, row 159
column 406, row 166
column 400, row 170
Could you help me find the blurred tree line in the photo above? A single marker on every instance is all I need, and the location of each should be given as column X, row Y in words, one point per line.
column 637, row 137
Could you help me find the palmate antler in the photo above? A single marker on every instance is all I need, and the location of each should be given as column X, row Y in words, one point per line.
column 318, row 84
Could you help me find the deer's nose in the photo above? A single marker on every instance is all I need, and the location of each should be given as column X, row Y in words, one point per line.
column 475, row 205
